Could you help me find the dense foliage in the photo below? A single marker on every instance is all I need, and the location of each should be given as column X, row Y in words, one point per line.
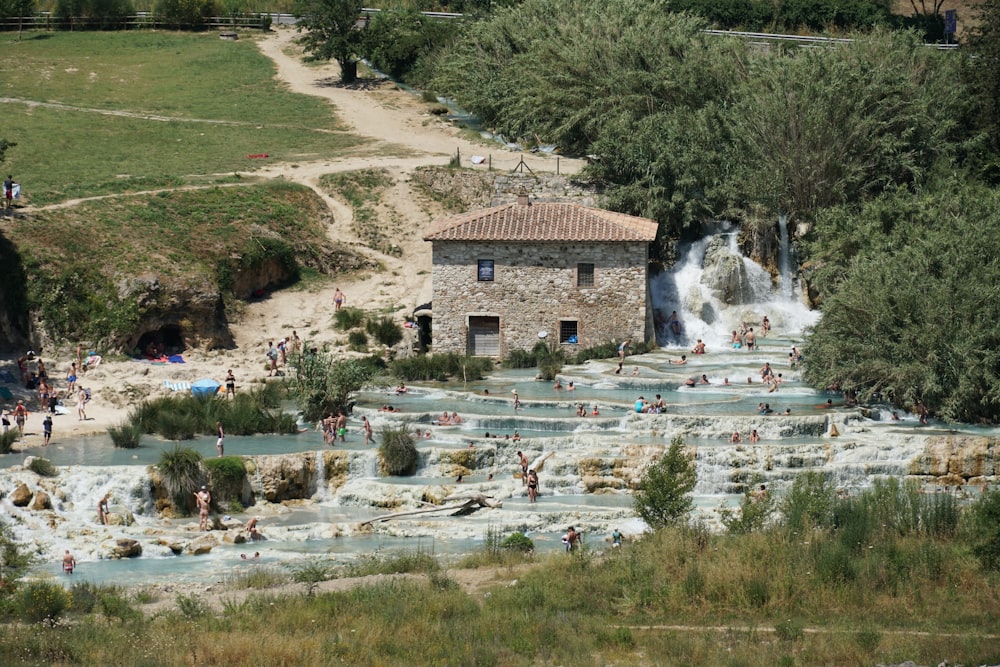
column 912, row 312
column 687, row 126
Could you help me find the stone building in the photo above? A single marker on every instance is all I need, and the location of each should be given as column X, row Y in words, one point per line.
column 506, row 276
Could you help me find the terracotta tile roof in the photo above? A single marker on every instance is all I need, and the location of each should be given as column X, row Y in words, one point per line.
column 542, row 221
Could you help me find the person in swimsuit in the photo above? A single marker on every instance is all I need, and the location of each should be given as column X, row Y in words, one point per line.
column 524, row 467
column 102, row 509
column 532, row 486
column 46, row 430
column 338, row 299
column 20, row 416
column 230, row 384
column 367, row 426
column 572, row 539
column 220, row 444
column 71, row 378
column 342, row 426
column 204, row 501
column 69, row 562
column 674, row 324
column 81, row 402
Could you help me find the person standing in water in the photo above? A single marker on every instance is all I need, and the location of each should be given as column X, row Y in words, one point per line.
column 46, row 430
column 220, row 444
column 69, row 562
column 204, row 501
column 367, row 426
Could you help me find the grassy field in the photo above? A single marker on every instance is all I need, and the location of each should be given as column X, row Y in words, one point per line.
column 675, row 597
column 215, row 102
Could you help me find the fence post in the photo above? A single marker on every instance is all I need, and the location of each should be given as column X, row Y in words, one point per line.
column 557, row 165
column 490, row 163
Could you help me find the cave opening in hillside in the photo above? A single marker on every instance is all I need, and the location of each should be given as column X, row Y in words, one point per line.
column 165, row 341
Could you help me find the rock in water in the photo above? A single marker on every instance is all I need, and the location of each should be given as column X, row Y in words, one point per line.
column 126, row 548
column 202, row 545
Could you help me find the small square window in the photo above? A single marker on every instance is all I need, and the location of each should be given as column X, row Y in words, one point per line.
column 568, row 332
column 484, row 271
column 584, row 275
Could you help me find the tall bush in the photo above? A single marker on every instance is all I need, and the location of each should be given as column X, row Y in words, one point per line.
column 321, row 384
column 385, row 331
column 984, row 529
column 664, row 494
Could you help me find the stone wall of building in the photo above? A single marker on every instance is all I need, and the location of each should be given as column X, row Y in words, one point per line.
column 534, row 288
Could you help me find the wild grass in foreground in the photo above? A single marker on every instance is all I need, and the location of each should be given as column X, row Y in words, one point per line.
column 791, row 594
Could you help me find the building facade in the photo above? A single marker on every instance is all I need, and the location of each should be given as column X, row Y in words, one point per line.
column 507, row 276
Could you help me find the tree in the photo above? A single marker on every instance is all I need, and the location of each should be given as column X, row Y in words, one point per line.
column 322, row 384
column 663, row 497
column 331, row 31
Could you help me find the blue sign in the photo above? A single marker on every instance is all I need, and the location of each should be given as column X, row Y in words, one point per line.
column 950, row 22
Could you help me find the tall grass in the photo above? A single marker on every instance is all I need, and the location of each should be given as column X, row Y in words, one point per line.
column 8, row 439
column 826, row 605
column 125, row 434
column 181, row 468
column 397, row 450
column 441, row 367
column 182, row 417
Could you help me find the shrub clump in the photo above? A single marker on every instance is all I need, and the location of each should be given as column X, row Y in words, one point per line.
column 397, row 450
column 42, row 467
column 125, row 434
column 349, row 318
column 385, row 331
column 357, row 340
column 7, row 440
column 227, row 477
column 41, row 601
column 518, row 542
column 441, row 367
column 664, row 494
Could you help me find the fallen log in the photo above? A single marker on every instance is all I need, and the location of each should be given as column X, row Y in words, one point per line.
column 468, row 505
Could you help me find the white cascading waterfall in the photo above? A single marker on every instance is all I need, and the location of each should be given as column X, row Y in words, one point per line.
column 714, row 289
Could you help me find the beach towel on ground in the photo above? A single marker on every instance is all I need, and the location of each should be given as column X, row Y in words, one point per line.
column 176, row 386
column 175, row 359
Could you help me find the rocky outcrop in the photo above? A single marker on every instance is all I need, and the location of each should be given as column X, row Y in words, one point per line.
column 726, row 274
column 21, row 496
column 953, row 460
column 283, row 477
column 201, row 545
column 195, row 313
column 759, row 240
